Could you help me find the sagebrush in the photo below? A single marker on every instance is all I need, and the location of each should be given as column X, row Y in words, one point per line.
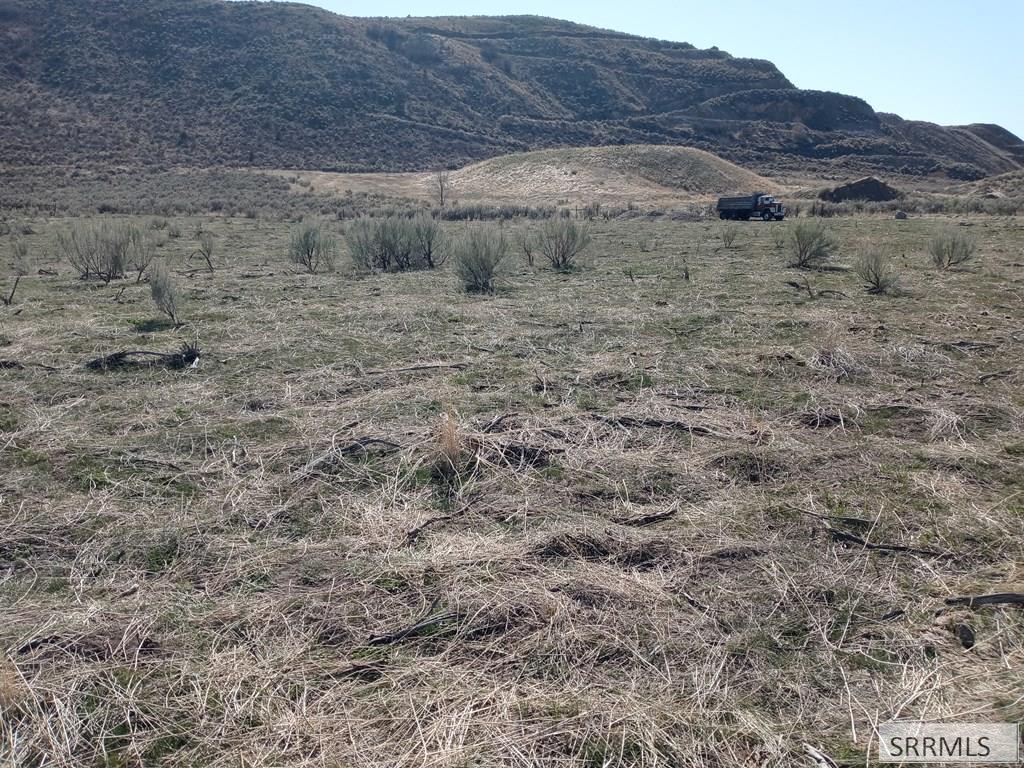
column 951, row 248
column 478, row 254
column 312, row 247
column 396, row 243
column 811, row 245
column 560, row 241
column 876, row 269
column 164, row 291
column 97, row 249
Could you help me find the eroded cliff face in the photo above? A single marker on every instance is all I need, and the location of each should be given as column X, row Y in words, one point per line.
column 210, row 83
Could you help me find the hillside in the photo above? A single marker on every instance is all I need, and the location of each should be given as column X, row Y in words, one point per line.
column 654, row 174
column 271, row 85
column 606, row 173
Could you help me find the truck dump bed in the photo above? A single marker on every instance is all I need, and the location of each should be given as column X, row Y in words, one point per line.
column 737, row 203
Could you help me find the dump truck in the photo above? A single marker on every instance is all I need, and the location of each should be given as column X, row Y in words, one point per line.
column 758, row 206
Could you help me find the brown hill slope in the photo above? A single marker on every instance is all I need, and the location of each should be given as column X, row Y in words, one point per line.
column 655, row 175
column 618, row 174
column 208, row 83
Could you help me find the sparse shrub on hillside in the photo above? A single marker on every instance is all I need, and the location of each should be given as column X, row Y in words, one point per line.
column 478, row 253
column 877, row 271
column 174, row 231
column 313, row 248
column 560, row 241
column 811, row 245
column 97, row 250
column 951, row 249
column 729, row 233
column 779, row 235
column 164, row 291
column 159, row 223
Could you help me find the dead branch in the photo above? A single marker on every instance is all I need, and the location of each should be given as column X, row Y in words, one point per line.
column 849, row 538
column 494, row 425
column 420, row 367
column 414, row 534
column 429, row 622
column 186, row 357
column 1000, row 598
column 642, row 521
column 998, row 375
column 626, row 422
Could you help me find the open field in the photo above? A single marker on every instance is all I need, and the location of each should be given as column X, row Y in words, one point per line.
column 667, row 510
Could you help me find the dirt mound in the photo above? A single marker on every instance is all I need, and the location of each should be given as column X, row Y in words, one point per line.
column 604, row 174
column 869, row 189
column 1004, row 185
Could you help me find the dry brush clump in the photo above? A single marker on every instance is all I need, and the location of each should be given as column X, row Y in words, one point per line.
column 397, row 243
column 876, row 269
column 560, row 241
column 811, row 245
column 313, row 248
column 205, row 250
column 951, row 248
column 141, row 252
column 164, row 292
column 728, row 233
column 97, row 249
column 478, row 255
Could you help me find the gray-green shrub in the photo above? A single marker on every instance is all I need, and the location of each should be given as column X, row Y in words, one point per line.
column 97, row 250
column 164, row 291
column 951, row 248
column 478, row 254
column 313, row 248
column 876, row 270
column 811, row 245
column 205, row 249
column 396, row 243
column 141, row 251
column 729, row 233
column 560, row 241
column 429, row 242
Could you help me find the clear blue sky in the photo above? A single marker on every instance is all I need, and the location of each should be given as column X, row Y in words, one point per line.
column 942, row 61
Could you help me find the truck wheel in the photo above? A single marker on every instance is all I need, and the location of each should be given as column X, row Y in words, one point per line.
column 722, row 215
column 767, row 216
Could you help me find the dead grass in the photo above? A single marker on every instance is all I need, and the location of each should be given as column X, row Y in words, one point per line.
column 650, row 558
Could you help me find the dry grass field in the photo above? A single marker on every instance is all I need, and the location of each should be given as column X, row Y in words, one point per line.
column 682, row 507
